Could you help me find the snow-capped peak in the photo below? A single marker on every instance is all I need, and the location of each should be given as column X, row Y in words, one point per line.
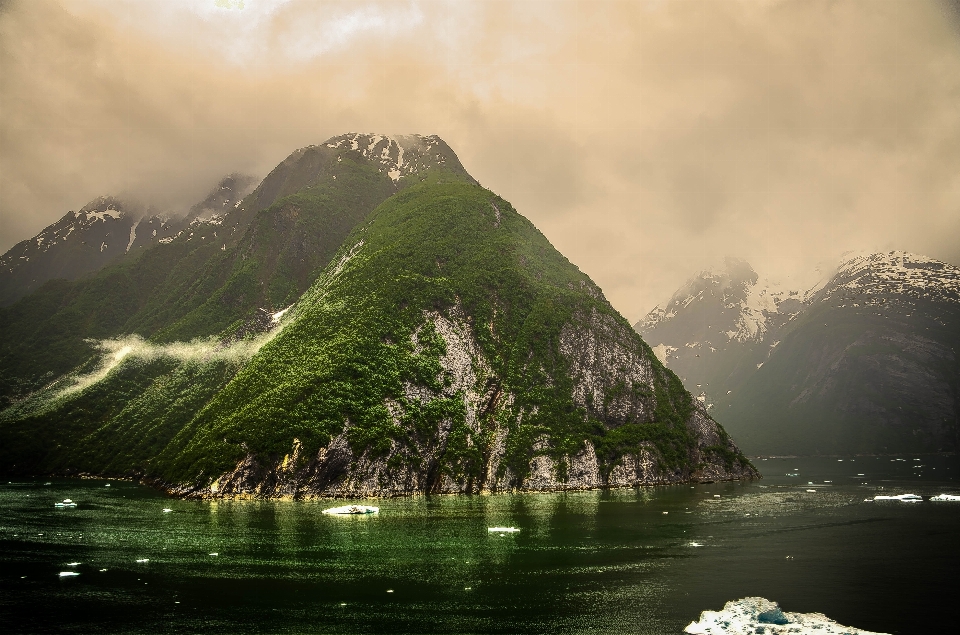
column 895, row 272
column 398, row 156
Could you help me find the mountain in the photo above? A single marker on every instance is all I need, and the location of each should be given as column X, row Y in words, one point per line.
column 440, row 344
column 102, row 231
column 864, row 362
column 719, row 326
column 217, row 270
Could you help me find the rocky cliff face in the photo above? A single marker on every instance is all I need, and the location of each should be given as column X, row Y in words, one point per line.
column 601, row 365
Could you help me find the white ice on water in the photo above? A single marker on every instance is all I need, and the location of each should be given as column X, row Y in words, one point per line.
column 945, row 497
column 759, row 615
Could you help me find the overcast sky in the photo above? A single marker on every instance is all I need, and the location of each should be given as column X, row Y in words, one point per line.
column 646, row 139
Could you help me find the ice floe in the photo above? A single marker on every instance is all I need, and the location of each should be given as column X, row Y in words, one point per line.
column 905, row 498
column 352, row 509
column 945, row 497
column 761, row 616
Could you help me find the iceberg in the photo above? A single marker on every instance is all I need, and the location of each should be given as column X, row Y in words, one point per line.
column 503, row 530
column 905, row 498
column 945, row 497
column 352, row 509
column 763, row 617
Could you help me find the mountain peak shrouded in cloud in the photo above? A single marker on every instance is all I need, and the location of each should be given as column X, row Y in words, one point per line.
column 102, row 231
column 645, row 139
column 862, row 361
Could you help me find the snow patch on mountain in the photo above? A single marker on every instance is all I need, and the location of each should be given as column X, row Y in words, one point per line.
column 894, row 273
column 133, row 235
column 663, row 352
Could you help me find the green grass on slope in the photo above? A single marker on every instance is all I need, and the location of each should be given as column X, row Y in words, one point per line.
column 115, row 426
column 283, row 248
column 45, row 333
column 350, row 352
column 190, row 287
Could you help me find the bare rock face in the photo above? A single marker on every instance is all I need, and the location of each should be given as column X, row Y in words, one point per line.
column 600, row 364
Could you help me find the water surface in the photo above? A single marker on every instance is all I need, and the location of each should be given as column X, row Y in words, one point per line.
column 625, row 561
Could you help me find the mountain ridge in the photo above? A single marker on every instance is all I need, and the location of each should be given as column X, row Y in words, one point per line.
column 883, row 326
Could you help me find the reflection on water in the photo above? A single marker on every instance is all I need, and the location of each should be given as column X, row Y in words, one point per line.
column 640, row 561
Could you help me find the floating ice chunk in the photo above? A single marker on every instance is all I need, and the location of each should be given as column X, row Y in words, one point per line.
column 945, row 497
column 812, row 491
column 503, row 530
column 758, row 615
column 167, row 510
column 695, row 544
column 73, row 564
column 352, row 509
column 68, row 574
column 215, row 553
column 143, row 560
column 905, row 498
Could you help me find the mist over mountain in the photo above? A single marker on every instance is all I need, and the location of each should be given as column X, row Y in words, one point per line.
column 865, row 361
column 367, row 321
column 102, row 231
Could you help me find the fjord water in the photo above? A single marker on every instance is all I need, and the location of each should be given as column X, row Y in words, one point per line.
column 626, row 561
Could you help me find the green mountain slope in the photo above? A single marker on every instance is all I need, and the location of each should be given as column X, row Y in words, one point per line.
column 446, row 347
column 217, row 271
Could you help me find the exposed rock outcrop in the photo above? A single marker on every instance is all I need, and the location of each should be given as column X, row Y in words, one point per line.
column 599, row 364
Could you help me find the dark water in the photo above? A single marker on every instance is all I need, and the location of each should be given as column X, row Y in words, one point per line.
column 591, row 562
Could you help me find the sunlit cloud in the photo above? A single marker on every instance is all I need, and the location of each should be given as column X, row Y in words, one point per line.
column 645, row 139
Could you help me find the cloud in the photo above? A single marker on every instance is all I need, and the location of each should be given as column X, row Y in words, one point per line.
column 646, row 139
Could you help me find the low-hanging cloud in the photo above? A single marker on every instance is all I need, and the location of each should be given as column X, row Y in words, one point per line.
column 114, row 351
column 646, row 139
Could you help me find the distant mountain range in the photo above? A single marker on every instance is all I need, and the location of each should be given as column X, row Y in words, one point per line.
column 367, row 321
column 866, row 361
column 102, row 231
